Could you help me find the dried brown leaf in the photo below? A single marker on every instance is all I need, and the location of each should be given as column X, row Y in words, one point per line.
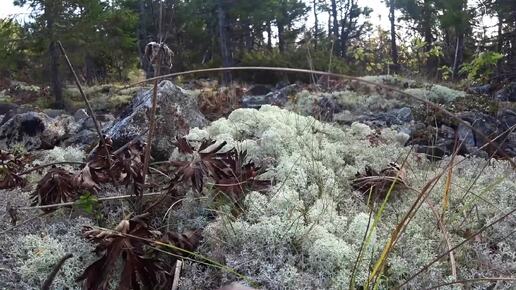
column 57, row 186
column 126, row 244
column 379, row 183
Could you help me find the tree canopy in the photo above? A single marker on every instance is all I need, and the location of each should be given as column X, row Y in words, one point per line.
column 106, row 39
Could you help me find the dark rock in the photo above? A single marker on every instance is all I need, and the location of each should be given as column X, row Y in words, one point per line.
column 325, row 109
column 258, row 90
column 32, row 130
column 507, row 118
column 387, row 119
column 466, row 136
column 176, row 113
column 5, row 108
column 507, row 94
column 83, row 138
column 404, row 115
column 486, row 125
column 54, row 113
column 433, row 152
column 277, row 98
column 480, row 90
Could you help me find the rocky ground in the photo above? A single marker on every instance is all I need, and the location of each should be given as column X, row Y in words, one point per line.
column 306, row 230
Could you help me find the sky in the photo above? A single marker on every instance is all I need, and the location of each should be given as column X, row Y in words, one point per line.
column 7, row 8
column 379, row 16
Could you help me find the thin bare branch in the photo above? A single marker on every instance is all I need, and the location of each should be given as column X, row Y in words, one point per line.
column 423, row 269
column 48, row 282
column 296, row 70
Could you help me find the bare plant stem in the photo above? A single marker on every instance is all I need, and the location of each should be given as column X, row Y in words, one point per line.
column 50, row 164
column 490, row 279
column 100, row 199
column 86, row 101
column 455, row 247
column 90, row 110
column 152, row 121
column 48, row 282
column 177, row 275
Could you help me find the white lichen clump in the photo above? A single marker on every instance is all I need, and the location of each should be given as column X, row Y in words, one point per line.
column 37, row 254
column 60, row 154
column 307, row 230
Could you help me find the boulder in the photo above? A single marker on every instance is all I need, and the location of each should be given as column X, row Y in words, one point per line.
column 258, row 90
column 277, row 98
column 81, row 114
column 82, row 139
column 325, row 109
column 33, row 130
column 480, row 89
column 176, row 113
column 507, row 94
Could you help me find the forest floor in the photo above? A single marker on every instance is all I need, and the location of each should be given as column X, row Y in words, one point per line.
column 336, row 185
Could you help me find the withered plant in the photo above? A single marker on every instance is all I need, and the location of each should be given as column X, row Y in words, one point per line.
column 10, row 167
column 132, row 243
column 379, row 183
column 57, row 186
column 229, row 170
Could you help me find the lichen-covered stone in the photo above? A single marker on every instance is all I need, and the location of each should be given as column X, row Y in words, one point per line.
column 176, row 113
column 33, row 130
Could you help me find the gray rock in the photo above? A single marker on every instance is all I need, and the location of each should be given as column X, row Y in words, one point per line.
column 82, row 138
column 480, row 90
column 32, row 130
column 81, row 114
column 507, row 94
column 54, row 113
column 258, row 90
column 466, row 135
column 177, row 112
column 344, row 117
column 326, row 108
column 278, row 98
column 404, row 114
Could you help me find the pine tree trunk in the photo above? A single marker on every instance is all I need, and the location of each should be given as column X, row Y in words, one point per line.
column 458, row 57
column 394, row 47
column 269, row 35
column 224, row 41
column 316, row 24
column 427, row 35
column 50, row 15
column 281, row 37
column 56, row 85
column 335, row 28
column 142, row 40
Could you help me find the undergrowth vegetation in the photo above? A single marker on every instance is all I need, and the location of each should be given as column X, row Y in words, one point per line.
column 306, row 232
column 272, row 199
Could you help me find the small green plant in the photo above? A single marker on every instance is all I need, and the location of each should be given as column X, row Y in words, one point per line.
column 87, row 202
column 481, row 68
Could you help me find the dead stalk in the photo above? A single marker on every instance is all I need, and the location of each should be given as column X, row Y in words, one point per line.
column 177, row 274
column 424, row 268
column 88, row 106
column 86, row 101
column 48, row 282
column 121, row 197
column 152, row 121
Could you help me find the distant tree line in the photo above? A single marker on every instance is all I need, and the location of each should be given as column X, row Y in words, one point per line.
column 437, row 39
